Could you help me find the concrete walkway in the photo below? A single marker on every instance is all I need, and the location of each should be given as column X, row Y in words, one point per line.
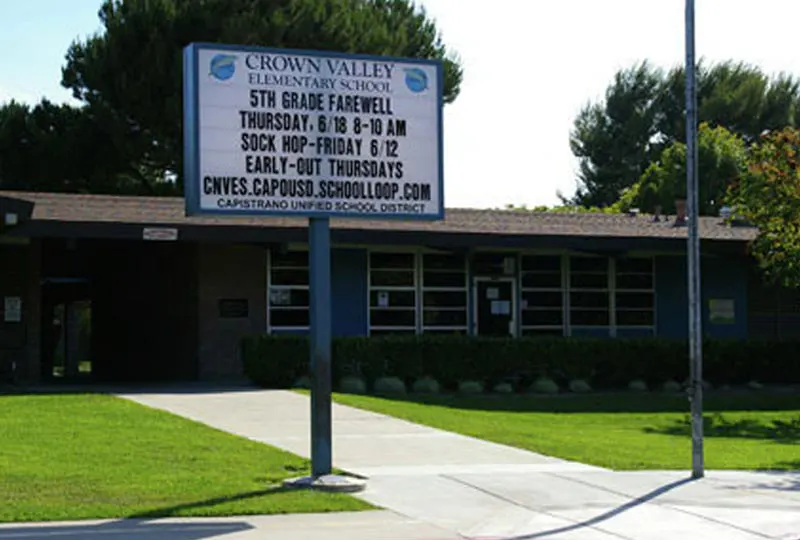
column 468, row 488
column 435, row 485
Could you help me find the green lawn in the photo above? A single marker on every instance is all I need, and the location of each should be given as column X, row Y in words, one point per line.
column 93, row 456
column 619, row 431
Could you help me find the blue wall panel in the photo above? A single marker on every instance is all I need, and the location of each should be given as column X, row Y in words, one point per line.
column 721, row 279
column 349, row 294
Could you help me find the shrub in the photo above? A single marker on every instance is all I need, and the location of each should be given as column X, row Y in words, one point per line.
column 352, row 384
column 279, row 361
column 503, row 388
column 543, row 385
column 637, row 385
column 671, row 386
column 755, row 385
column 303, row 382
column 470, row 387
column 426, row 385
column 579, row 386
column 389, row 386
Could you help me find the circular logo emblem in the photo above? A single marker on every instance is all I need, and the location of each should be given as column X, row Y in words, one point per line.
column 223, row 66
column 416, row 80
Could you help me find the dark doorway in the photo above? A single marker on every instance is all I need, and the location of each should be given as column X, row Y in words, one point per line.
column 495, row 307
column 66, row 330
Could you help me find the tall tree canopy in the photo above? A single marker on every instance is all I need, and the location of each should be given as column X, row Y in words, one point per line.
column 768, row 196
column 642, row 115
column 133, row 67
column 722, row 159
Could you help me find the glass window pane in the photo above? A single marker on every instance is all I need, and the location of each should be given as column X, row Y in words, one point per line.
column 289, row 277
column 542, row 298
column 588, row 299
column 544, row 317
column 441, row 317
column 392, row 260
column 541, row 263
column 541, row 280
column 589, row 318
column 443, row 262
column 391, row 278
column 588, row 264
column 635, row 300
column 444, row 298
column 290, row 259
column 444, row 279
column 635, row 281
column 588, row 281
column 396, row 298
column 392, row 317
column 635, row 318
column 640, row 265
column 288, row 317
column 288, row 297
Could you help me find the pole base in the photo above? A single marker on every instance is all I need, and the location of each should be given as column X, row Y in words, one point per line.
column 333, row 483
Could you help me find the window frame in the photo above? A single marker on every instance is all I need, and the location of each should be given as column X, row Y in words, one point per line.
column 465, row 290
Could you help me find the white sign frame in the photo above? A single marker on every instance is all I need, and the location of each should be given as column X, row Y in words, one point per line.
column 390, row 184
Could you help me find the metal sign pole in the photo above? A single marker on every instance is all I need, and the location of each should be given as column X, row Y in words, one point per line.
column 320, row 315
column 693, row 250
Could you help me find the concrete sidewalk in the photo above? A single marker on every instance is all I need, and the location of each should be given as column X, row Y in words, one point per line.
column 475, row 489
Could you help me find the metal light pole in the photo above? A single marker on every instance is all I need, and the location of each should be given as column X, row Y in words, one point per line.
column 693, row 251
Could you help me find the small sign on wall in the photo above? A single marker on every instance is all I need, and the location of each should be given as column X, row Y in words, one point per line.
column 721, row 311
column 383, row 299
column 12, row 309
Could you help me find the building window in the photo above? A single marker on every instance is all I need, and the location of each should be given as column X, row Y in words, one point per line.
column 542, row 295
column 444, row 293
column 392, row 293
column 288, row 292
column 634, row 294
column 589, row 298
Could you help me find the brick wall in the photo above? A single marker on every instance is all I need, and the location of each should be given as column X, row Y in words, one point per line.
column 232, row 273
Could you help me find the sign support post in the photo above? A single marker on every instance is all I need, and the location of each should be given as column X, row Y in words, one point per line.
column 320, row 318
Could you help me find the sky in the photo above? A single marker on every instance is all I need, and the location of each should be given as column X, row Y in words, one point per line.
column 529, row 67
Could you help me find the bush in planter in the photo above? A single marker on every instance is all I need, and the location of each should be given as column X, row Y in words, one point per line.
column 671, row 386
column 579, row 386
column 426, row 385
column 637, row 385
column 470, row 387
column 389, row 386
column 503, row 388
column 352, row 384
column 544, row 385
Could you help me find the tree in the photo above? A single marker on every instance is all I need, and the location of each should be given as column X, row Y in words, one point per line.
column 768, row 197
column 134, row 66
column 722, row 158
column 642, row 115
column 52, row 147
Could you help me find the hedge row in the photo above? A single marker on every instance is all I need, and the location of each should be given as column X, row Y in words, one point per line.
column 278, row 361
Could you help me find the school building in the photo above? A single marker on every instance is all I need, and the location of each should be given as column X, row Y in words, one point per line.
column 128, row 288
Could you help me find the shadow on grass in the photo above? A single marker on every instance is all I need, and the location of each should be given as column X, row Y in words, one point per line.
column 622, row 402
column 125, row 529
column 717, row 425
column 173, row 511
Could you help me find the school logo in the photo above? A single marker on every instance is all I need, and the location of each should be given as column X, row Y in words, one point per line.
column 416, row 80
column 222, row 66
